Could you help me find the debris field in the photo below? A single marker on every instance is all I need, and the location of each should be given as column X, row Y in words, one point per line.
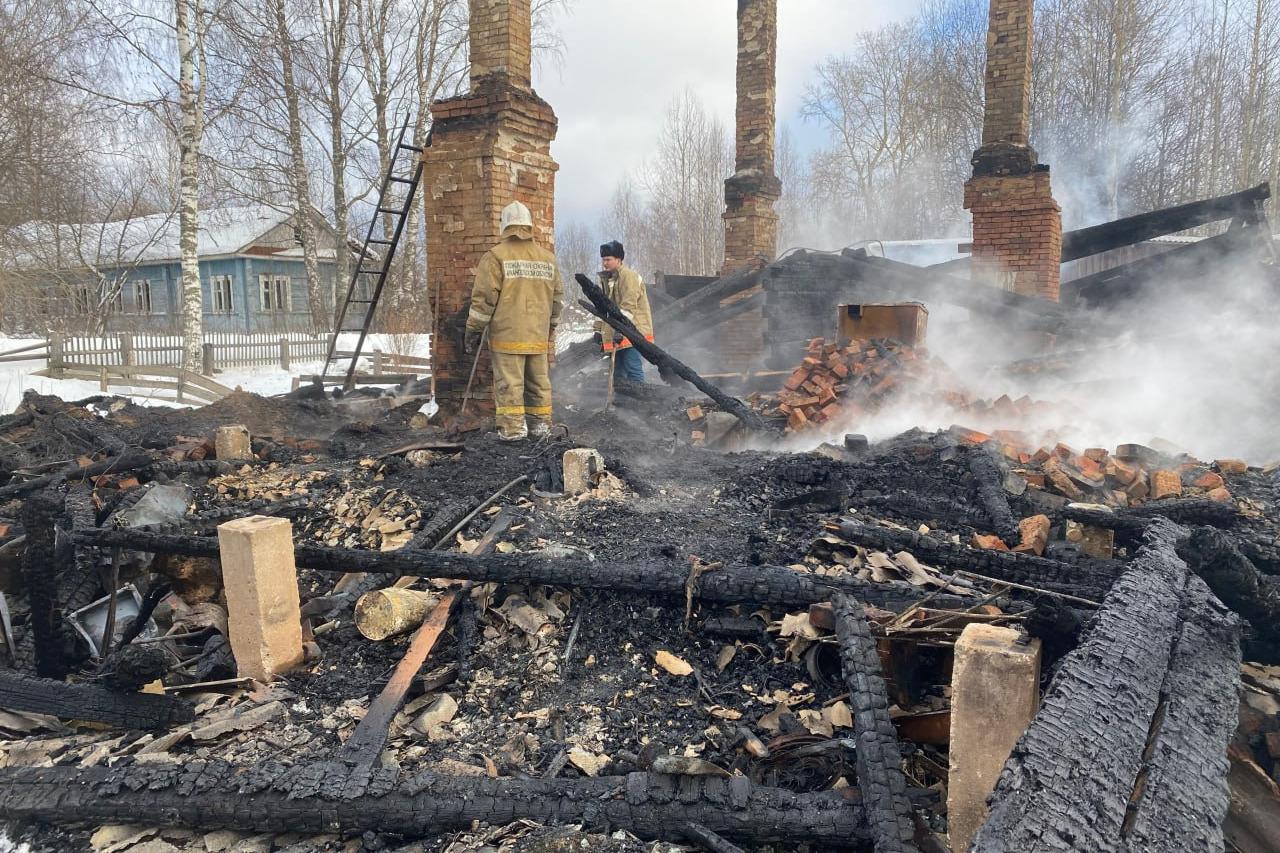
column 650, row 644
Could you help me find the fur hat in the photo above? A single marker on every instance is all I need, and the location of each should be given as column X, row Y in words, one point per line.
column 612, row 249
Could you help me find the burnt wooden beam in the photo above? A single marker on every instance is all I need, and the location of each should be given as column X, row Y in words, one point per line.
column 1177, row 266
column 313, row 798
column 128, row 460
column 1073, row 773
column 606, row 309
column 1216, row 557
column 728, row 584
column 1182, row 795
column 879, row 757
column 41, row 562
column 91, row 703
column 1089, row 579
column 991, row 495
column 1134, row 229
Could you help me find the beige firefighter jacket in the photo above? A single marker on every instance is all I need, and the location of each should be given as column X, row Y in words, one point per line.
column 626, row 288
column 518, row 295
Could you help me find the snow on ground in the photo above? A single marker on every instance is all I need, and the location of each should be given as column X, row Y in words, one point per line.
column 17, row 377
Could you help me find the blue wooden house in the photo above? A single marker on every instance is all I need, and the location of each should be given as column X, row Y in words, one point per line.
column 128, row 272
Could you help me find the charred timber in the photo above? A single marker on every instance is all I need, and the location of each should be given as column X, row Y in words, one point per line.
column 1133, row 521
column 92, row 703
column 1134, row 229
column 1086, row 579
column 40, row 565
column 879, row 757
column 130, row 460
column 1182, row 796
column 314, row 798
column 991, row 494
column 729, row 585
column 1234, row 578
column 665, row 363
column 1073, row 773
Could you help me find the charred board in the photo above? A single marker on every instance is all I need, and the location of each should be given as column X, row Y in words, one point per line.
column 313, row 798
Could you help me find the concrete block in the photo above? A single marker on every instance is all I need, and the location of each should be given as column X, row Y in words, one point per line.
column 582, row 469
column 995, row 691
column 264, row 615
column 232, row 443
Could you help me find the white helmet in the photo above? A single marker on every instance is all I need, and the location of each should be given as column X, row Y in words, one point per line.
column 515, row 214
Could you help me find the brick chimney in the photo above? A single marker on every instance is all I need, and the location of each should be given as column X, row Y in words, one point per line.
column 489, row 147
column 1017, row 225
column 750, row 223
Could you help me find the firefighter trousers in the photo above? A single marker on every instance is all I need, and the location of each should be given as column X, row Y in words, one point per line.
column 521, row 388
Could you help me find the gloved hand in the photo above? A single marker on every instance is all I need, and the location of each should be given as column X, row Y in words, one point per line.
column 471, row 341
column 598, row 339
column 617, row 339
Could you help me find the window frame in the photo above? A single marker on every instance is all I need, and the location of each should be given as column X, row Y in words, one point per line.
column 217, row 283
column 141, row 286
column 275, row 293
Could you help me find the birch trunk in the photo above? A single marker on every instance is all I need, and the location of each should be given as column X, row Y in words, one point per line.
column 335, row 15
column 298, row 168
column 190, row 132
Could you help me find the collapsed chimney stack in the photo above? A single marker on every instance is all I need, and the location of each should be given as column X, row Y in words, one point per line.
column 1017, row 225
column 488, row 148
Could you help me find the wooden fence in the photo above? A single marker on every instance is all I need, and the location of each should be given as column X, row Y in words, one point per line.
column 183, row 386
column 220, row 349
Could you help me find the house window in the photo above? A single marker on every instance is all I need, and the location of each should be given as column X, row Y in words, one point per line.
column 142, row 297
column 276, row 296
column 220, row 291
column 82, row 301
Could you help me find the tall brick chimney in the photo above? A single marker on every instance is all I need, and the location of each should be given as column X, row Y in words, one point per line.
column 488, row 148
column 1017, row 225
column 750, row 223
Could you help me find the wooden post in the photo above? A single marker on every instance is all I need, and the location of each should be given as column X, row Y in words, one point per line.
column 55, row 351
column 284, row 354
column 206, row 360
column 127, row 356
column 377, row 362
column 102, row 379
column 182, row 382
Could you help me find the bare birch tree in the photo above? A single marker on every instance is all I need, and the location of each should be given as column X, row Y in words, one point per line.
column 189, row 23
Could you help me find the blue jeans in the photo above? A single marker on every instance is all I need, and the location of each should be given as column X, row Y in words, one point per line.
column 629, row 365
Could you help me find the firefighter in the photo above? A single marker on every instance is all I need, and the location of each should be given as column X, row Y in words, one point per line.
column 625, row 287
column 517, row 296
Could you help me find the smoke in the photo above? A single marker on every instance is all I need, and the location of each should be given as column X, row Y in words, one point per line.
column 1194, row 365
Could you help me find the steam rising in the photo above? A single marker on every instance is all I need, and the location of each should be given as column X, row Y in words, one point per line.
column 1197, row 366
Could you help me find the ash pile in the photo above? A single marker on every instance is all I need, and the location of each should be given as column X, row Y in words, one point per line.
column 254, row 627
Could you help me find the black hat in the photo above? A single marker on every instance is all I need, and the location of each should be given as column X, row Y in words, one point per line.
column 612, row 249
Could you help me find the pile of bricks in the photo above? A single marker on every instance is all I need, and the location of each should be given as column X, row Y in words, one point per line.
column 1133, row 473
column 841, row 383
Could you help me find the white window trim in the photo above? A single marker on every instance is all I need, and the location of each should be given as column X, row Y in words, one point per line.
column 215, row 290
column 270, row 288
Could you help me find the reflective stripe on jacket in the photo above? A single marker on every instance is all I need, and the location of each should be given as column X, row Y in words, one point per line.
column 518, row 295
column 626, row 288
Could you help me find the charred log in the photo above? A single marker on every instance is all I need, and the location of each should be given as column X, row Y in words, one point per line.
column 1182, row 795
column 991, row 494
column 1087, row 579
column 89, row 702
column 314, row 798
column 1189, row 511
column 1264, row 553
column 879, row 757
column 730, row 584
column 709, row 840
column 665, row 363
column 1213, row 555
column 39, row 579
column 1069, row 781
column 130, row 460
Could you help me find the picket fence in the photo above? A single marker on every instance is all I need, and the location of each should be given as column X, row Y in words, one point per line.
column 220, row 349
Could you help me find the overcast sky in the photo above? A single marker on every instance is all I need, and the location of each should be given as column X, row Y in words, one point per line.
column 624, row 61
